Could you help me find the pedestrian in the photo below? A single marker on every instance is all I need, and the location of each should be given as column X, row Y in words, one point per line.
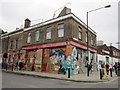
column 20, row 65
column 115, row 68
column 118, row 69
column 104, row 74
column 3, row 65
column 90, row 67
column 107, row 68
column 33, row 66
column 16, row 65
column 6, row 65
column 111, row 70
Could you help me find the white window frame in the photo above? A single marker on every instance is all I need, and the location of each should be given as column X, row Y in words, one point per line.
column 86, row 38
column 80, row 33
column 61, row 30
column 37, row 33
column 92, row 41
column 29, row 38
column 48, row 33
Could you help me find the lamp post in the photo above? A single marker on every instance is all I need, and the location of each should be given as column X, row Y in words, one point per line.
column 87, row 34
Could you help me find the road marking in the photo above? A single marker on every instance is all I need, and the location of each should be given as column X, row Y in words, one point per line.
column 106, row 81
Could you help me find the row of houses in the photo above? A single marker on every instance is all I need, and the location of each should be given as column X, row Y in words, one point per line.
column 107, row 54
column 59, row 42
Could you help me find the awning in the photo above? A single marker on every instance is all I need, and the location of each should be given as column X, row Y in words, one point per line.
column 57, row 44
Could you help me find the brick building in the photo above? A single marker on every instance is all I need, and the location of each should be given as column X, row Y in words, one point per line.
column 50, row 45
column 107, row 54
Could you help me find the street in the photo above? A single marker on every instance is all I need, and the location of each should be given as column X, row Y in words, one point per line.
column 21, row 81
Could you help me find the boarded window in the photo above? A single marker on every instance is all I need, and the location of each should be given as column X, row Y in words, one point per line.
column 37, row 36
column 48, row 33
column 61, row 30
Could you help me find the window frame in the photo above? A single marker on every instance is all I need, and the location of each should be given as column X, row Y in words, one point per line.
column 80, row 33
column 48, row 32
column 60, row 30
column 86, row 37
column 29, row 37
column 37, row 35
column 92, row 40
column 11, row 45
column 16, row 44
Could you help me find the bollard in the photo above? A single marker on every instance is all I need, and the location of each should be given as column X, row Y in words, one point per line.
column 12, row 67
column 6, row 67
column 111, row 72
column 69, row 72
column 88, row 70
column 100, row 74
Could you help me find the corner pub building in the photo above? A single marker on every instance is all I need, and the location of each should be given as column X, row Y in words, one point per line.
column 52, row 46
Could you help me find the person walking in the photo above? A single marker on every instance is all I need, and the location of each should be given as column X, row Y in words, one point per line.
column 104, row 74
column 115, row 68
column 16, row 65
column 118, row 69
column 107, row 68
column 20, row 65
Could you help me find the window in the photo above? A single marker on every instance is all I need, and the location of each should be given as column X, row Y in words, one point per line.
column 11, row 45
column 48, row 33
column 86, row 36
column 29, row 38
column 61, row 30
column 92, row 41
column 80, row 33
column 37, row 36
column 16, row 44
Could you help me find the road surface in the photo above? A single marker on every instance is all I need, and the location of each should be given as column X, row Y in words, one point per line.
column 22, row 81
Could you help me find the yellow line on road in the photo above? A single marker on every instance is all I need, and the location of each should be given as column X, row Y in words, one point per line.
column 107, row 81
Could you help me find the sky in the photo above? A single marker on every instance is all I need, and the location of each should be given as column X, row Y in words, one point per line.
column 104, row 22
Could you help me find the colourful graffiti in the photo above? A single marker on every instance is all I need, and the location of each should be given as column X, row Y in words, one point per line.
column 59, row 56
column 63, row 58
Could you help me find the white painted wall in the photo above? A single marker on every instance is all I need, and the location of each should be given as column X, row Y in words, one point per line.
column 102, row 58
column 115, row 60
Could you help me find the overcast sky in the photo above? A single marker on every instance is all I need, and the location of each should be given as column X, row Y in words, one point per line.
column 104, row 21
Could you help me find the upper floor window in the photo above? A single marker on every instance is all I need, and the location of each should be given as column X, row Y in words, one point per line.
column 16, row 44
column 37, row 36
column 86, row 37
column 61, row 30
column 11, row 45
column 80, row 33
column 29, row 38
column 48, row 33
column 92, row 41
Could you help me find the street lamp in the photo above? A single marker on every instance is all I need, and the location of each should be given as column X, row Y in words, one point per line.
column 87, row 34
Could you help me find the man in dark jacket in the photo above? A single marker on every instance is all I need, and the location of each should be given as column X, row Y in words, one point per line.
column 20, row 65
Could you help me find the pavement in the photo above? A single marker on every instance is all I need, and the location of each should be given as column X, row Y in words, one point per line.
column 94, row 77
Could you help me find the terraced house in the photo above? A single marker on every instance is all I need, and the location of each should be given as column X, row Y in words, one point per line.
column 54, row 45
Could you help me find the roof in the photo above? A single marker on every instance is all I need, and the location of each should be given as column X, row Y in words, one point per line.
column 12, row 33
column 58, row 19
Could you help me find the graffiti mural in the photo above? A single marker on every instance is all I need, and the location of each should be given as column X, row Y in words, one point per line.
column 60, row 60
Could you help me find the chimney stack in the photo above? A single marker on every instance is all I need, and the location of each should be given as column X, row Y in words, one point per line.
column 27, row 23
